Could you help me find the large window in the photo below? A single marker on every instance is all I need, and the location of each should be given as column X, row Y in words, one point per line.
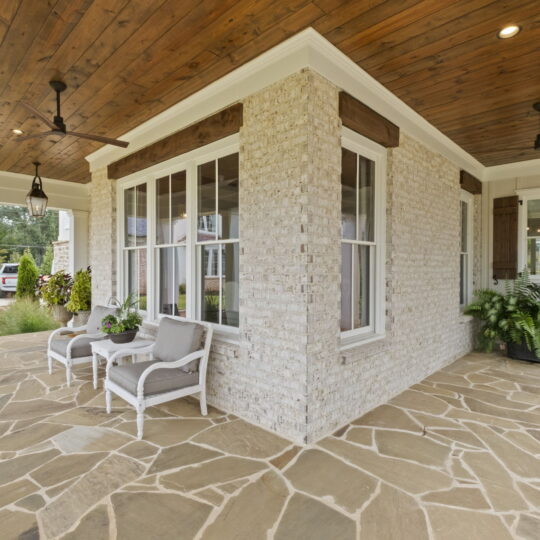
column 135, row 244
column 217, row 240
column 533, row 236
column 181, row 241
column 465, row 257
column 362, row 244
column 529, row 232
column 171, row 237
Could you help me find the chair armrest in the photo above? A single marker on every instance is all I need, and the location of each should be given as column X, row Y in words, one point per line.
column 166, row 365
column 128, row 352
column 57, row 332
column 67, row 330
column 78, row 328
column 80, row 337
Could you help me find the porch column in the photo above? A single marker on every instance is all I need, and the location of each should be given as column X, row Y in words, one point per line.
column 78, row 240
column 290, row 163
column 102, row 236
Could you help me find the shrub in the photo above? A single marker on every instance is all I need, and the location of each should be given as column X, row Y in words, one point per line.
column 81, row 292
column 46, row 263
column 25, row 316
column 56, row 291
column 27, row 277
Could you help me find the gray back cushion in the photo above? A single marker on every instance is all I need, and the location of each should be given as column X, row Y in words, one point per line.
column 98, row 313
column 176, row 339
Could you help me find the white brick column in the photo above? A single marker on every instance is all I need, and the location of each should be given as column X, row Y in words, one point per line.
column 289, row 261
column 103, row 236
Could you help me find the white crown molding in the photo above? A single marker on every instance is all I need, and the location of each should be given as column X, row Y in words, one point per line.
column 513, row 170
column 62, row 195
column 307, row 49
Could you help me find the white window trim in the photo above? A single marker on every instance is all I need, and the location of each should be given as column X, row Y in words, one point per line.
column 468, row 198
column 525, row 195
column 378, row 154
column 189, row 163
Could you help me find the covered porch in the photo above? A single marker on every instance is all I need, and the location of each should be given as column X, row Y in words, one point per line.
column 324, row 185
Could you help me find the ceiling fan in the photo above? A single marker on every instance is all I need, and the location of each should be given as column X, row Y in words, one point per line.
column 57, row 125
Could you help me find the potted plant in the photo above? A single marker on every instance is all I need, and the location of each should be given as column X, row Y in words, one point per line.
column 80, row 300
column 55, row 292
column 123, row 326
column 512, row 318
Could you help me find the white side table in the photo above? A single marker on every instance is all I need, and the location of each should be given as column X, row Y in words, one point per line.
column 106, row 348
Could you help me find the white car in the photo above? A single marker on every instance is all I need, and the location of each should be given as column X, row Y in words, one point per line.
column 8, row 277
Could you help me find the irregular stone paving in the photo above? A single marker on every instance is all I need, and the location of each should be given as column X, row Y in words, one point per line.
column 456, row 456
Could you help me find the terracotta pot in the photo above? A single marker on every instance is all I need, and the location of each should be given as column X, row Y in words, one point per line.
column 123, row 337
column 61, row 314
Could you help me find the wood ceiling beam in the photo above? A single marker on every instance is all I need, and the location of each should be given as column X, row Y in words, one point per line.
column 470, row 183
column 211, row 129
column 365, row 121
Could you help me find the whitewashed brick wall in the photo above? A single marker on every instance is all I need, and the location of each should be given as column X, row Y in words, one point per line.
column 425, row 328
column 60, row 256
column 288, row 374
column 286, row 276
column 102, row 236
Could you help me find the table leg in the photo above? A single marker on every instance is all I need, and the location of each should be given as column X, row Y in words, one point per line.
column 95, row 369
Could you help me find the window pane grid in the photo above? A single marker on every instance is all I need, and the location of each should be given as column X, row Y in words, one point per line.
column 193, row 260
column 533, row 237
column 358, row 244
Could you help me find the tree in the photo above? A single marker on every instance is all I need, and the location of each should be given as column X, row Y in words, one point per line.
column 27, row 276
column 18, row 230
column 46, row 264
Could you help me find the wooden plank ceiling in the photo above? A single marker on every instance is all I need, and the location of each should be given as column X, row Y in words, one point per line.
column 125, row 61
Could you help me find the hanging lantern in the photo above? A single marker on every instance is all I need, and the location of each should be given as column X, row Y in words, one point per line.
column 36, row 200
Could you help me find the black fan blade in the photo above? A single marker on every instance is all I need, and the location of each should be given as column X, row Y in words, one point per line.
column 98, row 138
column 37, row 135
column 41, row 116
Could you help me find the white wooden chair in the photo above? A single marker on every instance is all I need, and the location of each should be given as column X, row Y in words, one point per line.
column 71, row 346
column 177, row 368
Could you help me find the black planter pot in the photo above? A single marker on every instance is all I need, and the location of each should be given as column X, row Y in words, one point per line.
column 521, row 352
column 123, row 337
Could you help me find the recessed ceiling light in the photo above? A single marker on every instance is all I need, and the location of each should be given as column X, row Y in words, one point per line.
column 17, row 131
column 510, row 30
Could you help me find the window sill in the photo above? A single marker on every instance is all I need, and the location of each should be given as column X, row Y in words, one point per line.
column 226, row 334
column 350, row 342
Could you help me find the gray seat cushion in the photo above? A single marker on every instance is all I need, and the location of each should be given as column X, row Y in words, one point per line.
column 158, row 382
column 81, row 347
column 176, row 339
column 98, row 313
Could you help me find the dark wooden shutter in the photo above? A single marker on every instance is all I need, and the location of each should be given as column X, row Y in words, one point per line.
column 505, row 237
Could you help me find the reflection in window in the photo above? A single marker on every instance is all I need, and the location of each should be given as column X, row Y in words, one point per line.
column 218, row 218
column 533, row 236
column 172, row 281
column 228, row 196
column 135, row 264
column 464, row 292
column 171, row 235
column 206, row 201
column 358, row 233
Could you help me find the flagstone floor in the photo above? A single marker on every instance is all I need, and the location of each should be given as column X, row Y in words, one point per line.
column 454, row 457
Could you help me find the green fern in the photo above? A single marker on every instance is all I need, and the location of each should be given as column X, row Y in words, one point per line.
column 510, row 317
